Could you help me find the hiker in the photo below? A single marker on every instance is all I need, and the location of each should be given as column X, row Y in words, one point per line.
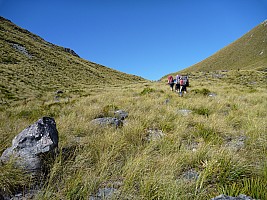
column 171, row 82
column 177, row 86
column 182, row 86
column 187, row 81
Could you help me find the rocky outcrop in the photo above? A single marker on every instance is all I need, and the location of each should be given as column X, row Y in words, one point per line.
column 22, row 50
column 71, row 52
column 29, row 147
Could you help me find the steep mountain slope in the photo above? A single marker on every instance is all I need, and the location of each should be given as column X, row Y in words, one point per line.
column 247, row 53
column 31, row 67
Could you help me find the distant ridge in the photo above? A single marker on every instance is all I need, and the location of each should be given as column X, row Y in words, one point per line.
column 31, row 66
column 246, row 53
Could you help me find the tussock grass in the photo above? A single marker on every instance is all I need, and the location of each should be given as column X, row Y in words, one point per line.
column 223, row 140
column 217, row 147
column 12, row 178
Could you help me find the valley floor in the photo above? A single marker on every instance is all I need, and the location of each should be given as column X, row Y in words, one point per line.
column 211, row 141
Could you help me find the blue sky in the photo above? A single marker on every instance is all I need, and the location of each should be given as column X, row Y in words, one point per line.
column 148, row 38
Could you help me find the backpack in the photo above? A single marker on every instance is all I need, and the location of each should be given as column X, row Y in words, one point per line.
column 170, row 79
column 181, row 82
column 185, row 81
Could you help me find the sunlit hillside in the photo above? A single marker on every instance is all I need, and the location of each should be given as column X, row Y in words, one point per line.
column 247, row 53
column 31, row 67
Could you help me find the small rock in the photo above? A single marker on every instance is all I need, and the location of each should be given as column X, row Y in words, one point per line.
column 192, row 146
column 167, row 101
column 108, row 121
column 154, row 134
column 184, row 112
column 212, row 94
column 121, row 114
column 191, row 175
column 59, row 92
column 57, row 99
column 252, row 83
column 237, row 143
column 104, row 193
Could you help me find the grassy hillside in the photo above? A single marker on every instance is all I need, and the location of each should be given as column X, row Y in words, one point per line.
column 210, row 141
column 247, row 53
column 30, row 67
column 161, row 152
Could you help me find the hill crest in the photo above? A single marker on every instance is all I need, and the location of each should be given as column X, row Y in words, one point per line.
column 249, row 52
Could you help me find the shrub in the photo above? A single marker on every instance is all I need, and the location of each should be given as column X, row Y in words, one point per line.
column 202, row 91
column 202, row 111
column 147, row 91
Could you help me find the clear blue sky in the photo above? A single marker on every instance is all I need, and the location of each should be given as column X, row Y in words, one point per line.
column 148, row 38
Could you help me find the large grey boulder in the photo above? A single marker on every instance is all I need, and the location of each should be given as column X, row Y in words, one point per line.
column 38, row 139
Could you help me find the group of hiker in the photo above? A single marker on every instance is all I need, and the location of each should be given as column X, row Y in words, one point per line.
column 180, row 82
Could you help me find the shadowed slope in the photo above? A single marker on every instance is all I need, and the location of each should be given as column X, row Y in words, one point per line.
column 30, row 67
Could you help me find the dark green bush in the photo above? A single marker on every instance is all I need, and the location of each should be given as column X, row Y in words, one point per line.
column 147, row 91
column 203, row 91
column 202, row 111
